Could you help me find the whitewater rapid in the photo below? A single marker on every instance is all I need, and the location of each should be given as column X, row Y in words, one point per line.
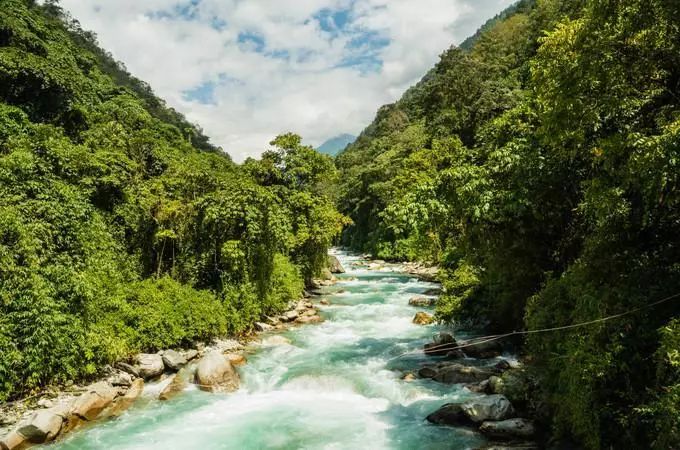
column 336, row 385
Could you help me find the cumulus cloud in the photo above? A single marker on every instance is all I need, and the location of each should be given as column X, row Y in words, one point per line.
column 247, row 70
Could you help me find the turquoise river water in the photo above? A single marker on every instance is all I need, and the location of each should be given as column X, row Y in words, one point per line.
column 337, row 385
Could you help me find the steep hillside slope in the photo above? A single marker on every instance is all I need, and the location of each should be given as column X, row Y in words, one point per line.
column 121, row 228
column 538, row 166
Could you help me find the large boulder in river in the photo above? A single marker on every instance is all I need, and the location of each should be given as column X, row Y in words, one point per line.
column 150, row 365
column 509, row 429
column 458, row 373
column 91, row 404
column 173, row 360
column 215, row 373
column 443, row 343
column 476, row 411
column 14, row 441
column 334, row 264
column 178, row 384
column 449, row 414
column 44, row 425
column 124, row 402
column 423, row 318
column 95, row 400
column 489, row 407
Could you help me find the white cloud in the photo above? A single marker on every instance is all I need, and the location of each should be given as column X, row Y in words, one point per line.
column 300, row 81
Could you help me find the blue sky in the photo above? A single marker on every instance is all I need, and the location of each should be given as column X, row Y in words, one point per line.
column 246, row 70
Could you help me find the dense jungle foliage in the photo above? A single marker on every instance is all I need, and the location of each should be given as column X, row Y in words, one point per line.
column 122, row 229
column 539, row 166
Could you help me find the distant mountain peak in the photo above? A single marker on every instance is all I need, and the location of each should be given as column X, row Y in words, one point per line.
column 337, row 144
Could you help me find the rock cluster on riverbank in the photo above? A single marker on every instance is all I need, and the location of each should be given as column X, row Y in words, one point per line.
column 476, row 364
column 52, row 414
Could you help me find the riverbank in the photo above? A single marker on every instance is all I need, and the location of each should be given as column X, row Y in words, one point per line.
column 57, row 411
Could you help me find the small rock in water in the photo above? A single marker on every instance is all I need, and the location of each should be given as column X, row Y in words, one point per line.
column 324, row 301
column 443, row 344
column 423, row 318
column 409, row 377
column 421, row 302
column 236, row 359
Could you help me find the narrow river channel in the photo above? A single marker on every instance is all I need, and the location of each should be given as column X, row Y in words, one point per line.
column 336, row 385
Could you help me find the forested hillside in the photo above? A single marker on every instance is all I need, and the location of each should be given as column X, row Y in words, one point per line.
column 122, row 229
column 538, row 165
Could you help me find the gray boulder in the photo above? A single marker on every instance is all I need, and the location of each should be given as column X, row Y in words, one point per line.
column 290, row 316
column 490, row 407
column 190, row 354
column 121, row 379
column 449, row 414
column 334, row 265
column 262, row 327
column 179, row 382
column 173, row 360
column 442, row 344
column 44, row 425
column 215, row 373
column 122, row 403
column 150, row 365
column 509, row 429
column 427, row 372
column 458, row 373
column 125, row 367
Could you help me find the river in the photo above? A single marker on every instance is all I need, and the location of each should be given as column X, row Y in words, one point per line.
column 337, row 385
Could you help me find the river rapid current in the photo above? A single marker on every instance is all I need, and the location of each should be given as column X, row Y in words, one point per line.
column 335, row 385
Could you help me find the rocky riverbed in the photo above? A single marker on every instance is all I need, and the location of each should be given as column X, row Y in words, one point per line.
column 373, row 371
